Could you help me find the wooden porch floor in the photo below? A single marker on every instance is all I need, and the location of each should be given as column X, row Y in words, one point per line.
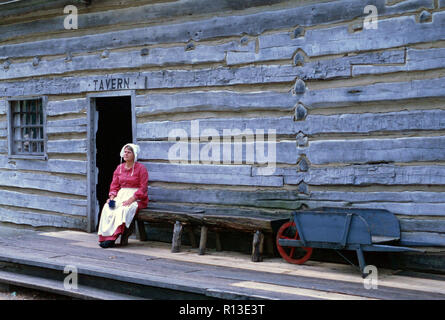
column 228, row 275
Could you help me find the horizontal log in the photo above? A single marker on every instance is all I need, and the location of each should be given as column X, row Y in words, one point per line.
column 364, row 175
column 261, row 152
column 46, row 203
column 312, row 125
column 285, row 199
column 416, row 60
column 422, row 225
column 42, row 220
column 119, row 15
column 337, row 97
column 414, row 209
column 242, row 170
column 66, row 126
column 50, row 165
column 67, row 146
column 375, row 150
column 125, row 59
column 63, row 107
column 399, row 196
column 231, row 127
column 404, row 30
column 152, row 104
column 216, row 179
column 322, row 69
column 216, row 27
column 45, row 182
column 424, row 237
column 152, row 80
column 215, row 217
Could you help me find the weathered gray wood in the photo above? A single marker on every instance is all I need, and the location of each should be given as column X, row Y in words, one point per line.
column 46, row 182
column 313, row 124
column 375, row 150
column 242, row 153
column 256, row 128
column 203, row 241
column 67, row 146
column 404, row 31
column 257, row 247
column 141, row 13
column 41, row 220
column 287, row 199
column 213, row 218
column 425, row 237
column 416, row 60
column 336, row 97
column 153, row 80
column 414, row 209
column 379, row 196
column 244, row 170
column 422, row 225
column 3, row 104
column 3, row 146
column 50, row 165
column 125, row 59
column 226, row 76
column 63, row 107
column 363, row 175
column 322, row 69
column 441, row 3
column 67, row 126
column 42, row 202
column 17, row 8
column 155, row 103
column 252, row 24
column 176, row 240
column 217, row 179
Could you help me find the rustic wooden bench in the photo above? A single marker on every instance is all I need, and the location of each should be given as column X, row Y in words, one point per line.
column 261, row 226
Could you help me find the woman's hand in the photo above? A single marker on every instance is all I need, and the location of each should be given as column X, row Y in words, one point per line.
column 129, row 201
column 110, row 198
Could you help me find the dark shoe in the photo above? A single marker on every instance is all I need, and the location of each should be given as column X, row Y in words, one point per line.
column 107, row 244
column 127, row 233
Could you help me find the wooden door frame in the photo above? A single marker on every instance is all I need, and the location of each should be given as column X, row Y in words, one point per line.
column 91, row 150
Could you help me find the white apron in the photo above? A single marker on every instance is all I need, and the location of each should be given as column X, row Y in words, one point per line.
column 111, row 219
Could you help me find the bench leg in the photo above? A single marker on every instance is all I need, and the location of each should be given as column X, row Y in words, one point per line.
column 140, row 232
column 257, row 246
column 203, row 240
column 176, row 241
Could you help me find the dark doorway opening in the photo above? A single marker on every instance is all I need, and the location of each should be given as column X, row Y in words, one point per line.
column 114, row 130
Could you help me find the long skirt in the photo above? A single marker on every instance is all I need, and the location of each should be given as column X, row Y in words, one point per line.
column 113, row 221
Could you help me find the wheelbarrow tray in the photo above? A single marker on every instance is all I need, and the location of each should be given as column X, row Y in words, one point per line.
column 347, row 229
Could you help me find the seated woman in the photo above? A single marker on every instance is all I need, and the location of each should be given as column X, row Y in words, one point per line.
column 129, row 192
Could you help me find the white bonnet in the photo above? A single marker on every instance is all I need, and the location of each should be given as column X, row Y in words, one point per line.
column 135, row 148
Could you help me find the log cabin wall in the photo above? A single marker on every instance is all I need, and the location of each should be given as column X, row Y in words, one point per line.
column 359, row 113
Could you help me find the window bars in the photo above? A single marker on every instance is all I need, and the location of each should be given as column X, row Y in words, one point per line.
column 27, row 121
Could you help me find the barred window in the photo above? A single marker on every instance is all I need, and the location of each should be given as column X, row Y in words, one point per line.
column 26, row 119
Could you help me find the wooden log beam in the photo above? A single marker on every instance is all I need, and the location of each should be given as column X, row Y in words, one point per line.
column 257, row 247
column 226, row 26
column 203, row 241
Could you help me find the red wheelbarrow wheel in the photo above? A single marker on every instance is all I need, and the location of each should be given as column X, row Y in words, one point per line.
column 296, row 255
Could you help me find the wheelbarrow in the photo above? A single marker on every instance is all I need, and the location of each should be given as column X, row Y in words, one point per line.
column 340, row 229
